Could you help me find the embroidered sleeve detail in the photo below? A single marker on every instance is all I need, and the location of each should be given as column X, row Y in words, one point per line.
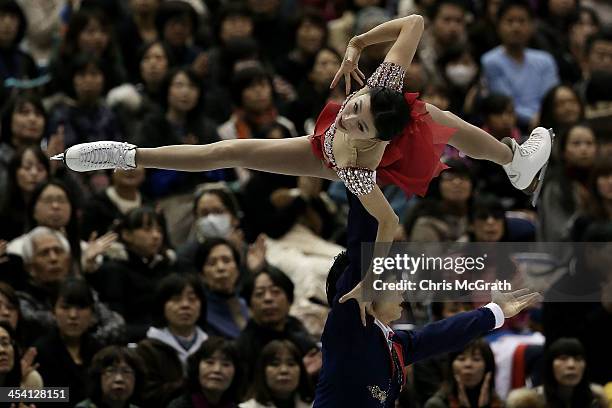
column 388, row 75
column 359, row 181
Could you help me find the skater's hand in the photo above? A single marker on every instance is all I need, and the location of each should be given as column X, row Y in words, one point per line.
column 512, row 303
column 365, row 307
column 349, row 67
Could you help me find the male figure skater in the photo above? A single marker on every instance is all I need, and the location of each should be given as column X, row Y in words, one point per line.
column 363, row 366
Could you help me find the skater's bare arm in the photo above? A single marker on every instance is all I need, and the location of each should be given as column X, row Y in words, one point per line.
column 471, row 140
column 377, row 205
column 405, row 31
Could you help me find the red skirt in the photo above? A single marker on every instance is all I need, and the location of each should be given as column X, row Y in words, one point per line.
column 412, row 159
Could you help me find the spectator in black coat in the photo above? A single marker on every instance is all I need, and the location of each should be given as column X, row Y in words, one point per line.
column 14, row 63
column 269, row 295
column 65, row 353
column 127, row 280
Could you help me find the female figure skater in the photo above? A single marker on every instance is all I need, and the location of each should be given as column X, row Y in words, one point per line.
column 377, row 135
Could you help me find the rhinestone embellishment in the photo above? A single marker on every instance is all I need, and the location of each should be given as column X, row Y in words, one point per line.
column 388, row 75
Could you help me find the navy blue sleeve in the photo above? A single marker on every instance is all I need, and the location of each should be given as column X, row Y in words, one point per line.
column 450, row 334
column 361, row 227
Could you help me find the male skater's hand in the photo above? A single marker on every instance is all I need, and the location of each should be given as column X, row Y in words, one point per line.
column 364, row 307
column 512, row 303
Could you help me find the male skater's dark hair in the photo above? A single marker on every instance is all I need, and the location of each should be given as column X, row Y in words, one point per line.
column 341, row 262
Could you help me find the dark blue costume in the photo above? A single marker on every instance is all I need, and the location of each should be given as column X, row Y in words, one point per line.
column 357, row 364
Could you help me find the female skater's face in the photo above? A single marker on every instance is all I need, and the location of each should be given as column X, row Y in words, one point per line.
column 356, row 118
column 469, row 368
column 568, row 370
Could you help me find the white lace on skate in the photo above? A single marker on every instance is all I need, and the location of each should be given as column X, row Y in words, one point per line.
column 532, row 144
column 113, row 155
column 100, row 156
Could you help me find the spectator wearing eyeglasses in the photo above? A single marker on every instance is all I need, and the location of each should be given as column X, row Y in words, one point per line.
column 116, row 376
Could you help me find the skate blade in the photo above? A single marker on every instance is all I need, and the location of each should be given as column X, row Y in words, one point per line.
column 57, row 157
column 542, row 173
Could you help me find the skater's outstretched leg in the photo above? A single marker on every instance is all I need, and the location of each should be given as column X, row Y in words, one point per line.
column 292, row 156
column 523, row 163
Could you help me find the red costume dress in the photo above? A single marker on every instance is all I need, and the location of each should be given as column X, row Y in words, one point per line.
column 410, row 161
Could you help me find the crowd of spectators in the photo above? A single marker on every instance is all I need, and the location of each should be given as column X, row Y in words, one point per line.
column 156, row 288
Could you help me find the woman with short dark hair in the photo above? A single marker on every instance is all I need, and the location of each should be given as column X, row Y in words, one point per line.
column 280, row 378
column 214, row 376
column 472, row 379
column 116, row 377
column 179, row 309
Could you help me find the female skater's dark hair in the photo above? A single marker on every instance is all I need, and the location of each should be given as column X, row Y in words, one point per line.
column 390, row 110
column 341, row 261
column 581, row 395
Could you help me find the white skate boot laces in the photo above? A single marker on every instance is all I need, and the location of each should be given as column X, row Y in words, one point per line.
column 114, row 155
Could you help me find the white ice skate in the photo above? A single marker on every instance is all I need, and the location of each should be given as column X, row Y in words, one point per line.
column 529, row 160
column 99, row 156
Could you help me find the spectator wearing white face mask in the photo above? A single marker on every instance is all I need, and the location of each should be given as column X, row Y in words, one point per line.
column 217, row 215
column 461, row 74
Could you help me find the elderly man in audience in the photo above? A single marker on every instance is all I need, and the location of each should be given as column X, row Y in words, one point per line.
column 47, row 261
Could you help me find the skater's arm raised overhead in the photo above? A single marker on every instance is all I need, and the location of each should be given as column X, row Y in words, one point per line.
column 406, row 32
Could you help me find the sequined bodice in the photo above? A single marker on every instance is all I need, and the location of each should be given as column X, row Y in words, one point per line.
column 361, row 181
